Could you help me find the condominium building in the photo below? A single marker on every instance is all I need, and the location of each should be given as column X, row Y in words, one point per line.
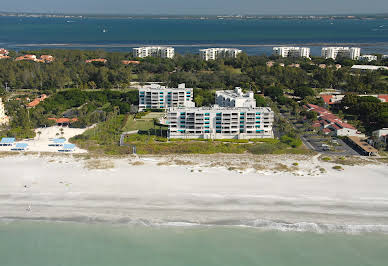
column 347, row 52
column 154, row 51
column 214, row 53
column 235, row 98
column 292, row 51
column 368, row 57
column 3, row 117
column 220, row 122
column 155, row 96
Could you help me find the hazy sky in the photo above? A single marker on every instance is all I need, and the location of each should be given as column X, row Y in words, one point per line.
column 197, row 6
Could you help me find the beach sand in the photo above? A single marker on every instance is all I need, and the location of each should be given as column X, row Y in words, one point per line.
column 197, row 189
column 41, row 141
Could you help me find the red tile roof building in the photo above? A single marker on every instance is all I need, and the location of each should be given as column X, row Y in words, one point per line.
column 63, row 120
column 130, row 62
column 37, row 101
column 383, row 97
column 101, row 60
column 3, row 52
column 31, row 57
column 47, row 58
column 330, row 123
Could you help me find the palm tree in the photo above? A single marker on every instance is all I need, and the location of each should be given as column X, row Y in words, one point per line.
column 61, row 130
column 39, row 133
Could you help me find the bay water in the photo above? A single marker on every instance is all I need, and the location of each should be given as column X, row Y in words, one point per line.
column 255, row 37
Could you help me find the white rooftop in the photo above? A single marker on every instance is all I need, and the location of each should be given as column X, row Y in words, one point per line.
column 219, row 108
column 160, row 87
column 369, row 67
column 236, row 93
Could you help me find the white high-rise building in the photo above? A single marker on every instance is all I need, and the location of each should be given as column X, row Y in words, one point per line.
column 154, row 51
column 235, row 98
column 368, row 57
column 155, row 96
column 214, row 53
column 3, row 117
column 347, row 52
column 292, row 51
column 220, row 122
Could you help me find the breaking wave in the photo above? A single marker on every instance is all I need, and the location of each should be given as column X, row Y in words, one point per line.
column 263, row 224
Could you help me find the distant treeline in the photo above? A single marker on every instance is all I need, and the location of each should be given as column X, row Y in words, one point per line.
column 69, row 70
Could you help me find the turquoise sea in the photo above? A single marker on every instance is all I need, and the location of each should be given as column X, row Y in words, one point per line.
column 188, row 35
column 73, row 244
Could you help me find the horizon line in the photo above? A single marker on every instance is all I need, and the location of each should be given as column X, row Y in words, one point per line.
column 199, row 15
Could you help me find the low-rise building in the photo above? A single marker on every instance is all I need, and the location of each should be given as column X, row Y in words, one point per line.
column 294, row 65
column 336, row 98
column 292, row 51
column 37, row 100
column 235, row 98
column 368, row 57
column 63, row 121
column 384, row 57
column 381, row 133
column 330, row 124
column 331, row 99
column 154, row 51
column 215, row 53
column 346, row 52
column 361, row 146
column 3, row 51
column 155, row 96
column 220, row 122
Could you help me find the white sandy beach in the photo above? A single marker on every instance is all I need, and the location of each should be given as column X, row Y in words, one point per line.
column 156, row 192
column 41, row 142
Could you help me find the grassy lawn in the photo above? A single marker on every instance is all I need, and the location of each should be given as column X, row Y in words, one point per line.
column 143, row 124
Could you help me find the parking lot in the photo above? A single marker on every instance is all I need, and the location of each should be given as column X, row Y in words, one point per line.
column 328, row 145
column 323, row 144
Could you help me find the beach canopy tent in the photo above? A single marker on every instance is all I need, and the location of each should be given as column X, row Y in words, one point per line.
column 7, row 141
column 57, row 142
column 67, row 148
column 20, row 147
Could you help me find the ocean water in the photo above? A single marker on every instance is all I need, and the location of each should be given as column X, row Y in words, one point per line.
column 187, row 36
column 72, row 244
